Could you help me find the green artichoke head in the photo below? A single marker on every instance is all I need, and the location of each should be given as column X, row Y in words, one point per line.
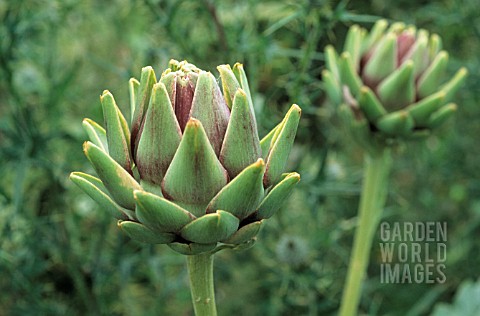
column 389, row 82
column 189, row 170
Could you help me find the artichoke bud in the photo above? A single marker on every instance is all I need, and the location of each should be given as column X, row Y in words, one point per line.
column 394, row 78
column 190, row 171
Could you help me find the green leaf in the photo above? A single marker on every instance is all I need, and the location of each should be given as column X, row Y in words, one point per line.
column 277, row 196
column 281, row 146
column 191, row 248
column 241, row 146
column 97, row 191
column 245, row 233
column 243, row 194
column 195, row 174
column 160, row 214
column 398, row 89
column 208, row 106
column 141, row 233
column 96, row 133
column 118, row 135
column 159, row 137
column 147, row 80
column 117, row 180
column 210, row 228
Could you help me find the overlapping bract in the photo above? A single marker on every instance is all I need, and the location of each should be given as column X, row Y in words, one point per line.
column 389, row 82
column 189, row 170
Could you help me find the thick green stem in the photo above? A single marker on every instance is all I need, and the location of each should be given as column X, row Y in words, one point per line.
column 200, row 272
column 372, row 200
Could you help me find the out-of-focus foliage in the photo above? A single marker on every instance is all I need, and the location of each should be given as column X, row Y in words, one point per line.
column 60, row 254
column 465, row 304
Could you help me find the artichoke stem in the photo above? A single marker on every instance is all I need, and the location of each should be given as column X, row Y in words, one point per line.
column 372, row 200
column 200, row 272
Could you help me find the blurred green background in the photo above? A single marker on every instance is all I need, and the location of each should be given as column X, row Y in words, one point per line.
column 59, row 253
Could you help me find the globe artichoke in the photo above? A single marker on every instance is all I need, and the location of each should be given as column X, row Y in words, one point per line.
column 189, row 170
column 389, row 81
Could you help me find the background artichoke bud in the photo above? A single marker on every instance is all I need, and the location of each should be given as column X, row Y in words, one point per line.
column 391, row 77
column 190, row 170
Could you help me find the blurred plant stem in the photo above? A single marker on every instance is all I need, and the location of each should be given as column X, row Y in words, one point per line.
column 372, row 200
column 200, row 272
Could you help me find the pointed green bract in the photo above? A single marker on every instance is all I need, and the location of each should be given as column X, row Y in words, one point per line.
column 370, row 105
column 348, row 74
column 245, row 233
column 159, row 214
column 375, row 34
column 117, row 180
column 441, row 115
column 266, row 141
column 230, row 83
column 428, row 82
column 331, row 61
column 241, row 76
column 422, row 110
column 169, row 79
column 277, row 196
column 434, row 45
column 141, row 233
column 452, row 86
column 332, row 87
column 396, row 123
column 133, row 85
column 358, row 127
column 195, row 174
column 147, row 80
column 118, row 136
column 281, row 146
column 243, row 194
column 208, row 106
column 151, row 187
column 159, row 138
column 353, row 45
column 241, row 146
column 96, row 133
column 191, row 249
column 398, row 89
column 383, row 60
column 210, row 228
column 95, row 189
column 418, row 53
